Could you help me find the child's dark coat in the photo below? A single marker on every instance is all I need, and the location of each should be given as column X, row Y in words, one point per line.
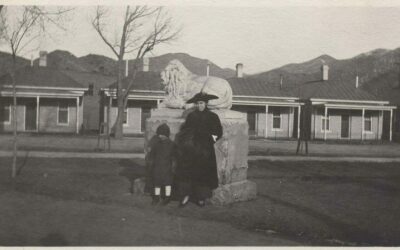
column 159, row 162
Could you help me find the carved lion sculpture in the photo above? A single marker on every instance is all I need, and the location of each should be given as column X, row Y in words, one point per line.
column 181, row 85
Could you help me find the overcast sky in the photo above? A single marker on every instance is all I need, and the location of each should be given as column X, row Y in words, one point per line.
column 261, row 37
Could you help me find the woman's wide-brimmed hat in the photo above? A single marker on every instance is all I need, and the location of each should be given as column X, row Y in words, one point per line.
column 201, row 97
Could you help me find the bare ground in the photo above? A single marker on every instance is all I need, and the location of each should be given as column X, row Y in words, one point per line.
column 87, row 202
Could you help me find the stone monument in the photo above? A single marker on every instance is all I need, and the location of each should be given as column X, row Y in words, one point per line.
column 231, row 150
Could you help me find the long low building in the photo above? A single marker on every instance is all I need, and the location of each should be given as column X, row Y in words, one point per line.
column 272, row 111
column 47, row 101
column 343, row 111
column 52, row 100
column 147, row 92
column 332, row 109
column 249, row 95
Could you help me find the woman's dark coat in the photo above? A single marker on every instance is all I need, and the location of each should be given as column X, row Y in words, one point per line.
column 196, row 155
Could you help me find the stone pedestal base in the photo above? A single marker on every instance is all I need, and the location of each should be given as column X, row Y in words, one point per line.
column 231, row 151
column 234, row 192
column 172, row 117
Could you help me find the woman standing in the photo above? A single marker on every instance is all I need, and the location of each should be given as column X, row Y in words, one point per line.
column 197, row 167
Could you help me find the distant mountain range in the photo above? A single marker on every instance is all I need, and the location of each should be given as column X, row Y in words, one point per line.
column 386, row 86
column 366, row 65
column 6, row 62
column 378, row 72
column 101, row 64
column 377, row 69
column 195, row 65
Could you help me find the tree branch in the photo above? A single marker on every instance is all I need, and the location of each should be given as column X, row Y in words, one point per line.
column 134, row 38
column 26, row 28
column 96, row 23
column 53, row 17
column 23, row 46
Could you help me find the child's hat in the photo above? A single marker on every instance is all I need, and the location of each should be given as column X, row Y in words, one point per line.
column 163, row 129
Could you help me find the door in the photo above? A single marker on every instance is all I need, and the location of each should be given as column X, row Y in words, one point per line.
column 345, row 126
column 145, row 115
column 30, row 116
column 251, row 119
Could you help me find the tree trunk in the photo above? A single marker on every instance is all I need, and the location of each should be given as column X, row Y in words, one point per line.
column 14, row 119
column 118, row 126
column 119, row 133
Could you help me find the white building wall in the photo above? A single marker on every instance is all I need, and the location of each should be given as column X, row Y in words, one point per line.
column 286, row 129
column 355, row 126
column 134, row 108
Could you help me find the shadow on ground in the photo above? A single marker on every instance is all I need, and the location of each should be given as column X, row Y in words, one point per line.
column 132, row 169
column 53, row 239
column 349, row 232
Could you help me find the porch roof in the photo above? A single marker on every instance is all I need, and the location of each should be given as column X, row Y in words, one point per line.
column 334, row 89
column 41, row 77
column 139, row 94
column 23, row 91
column 357, row 107
column 261, row 101
column 246, row 91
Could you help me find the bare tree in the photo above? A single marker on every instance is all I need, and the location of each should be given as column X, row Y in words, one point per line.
column 136, row 37
column 2, row 23
column 20, row 27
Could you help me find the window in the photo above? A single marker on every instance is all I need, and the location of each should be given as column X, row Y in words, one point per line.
column 325, row 123
column 367, row 123
column 63, row 113
column 5, row 114
column 276, row 118
column 125, row 117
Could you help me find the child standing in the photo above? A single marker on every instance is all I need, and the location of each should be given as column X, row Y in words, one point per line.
column 161, row 151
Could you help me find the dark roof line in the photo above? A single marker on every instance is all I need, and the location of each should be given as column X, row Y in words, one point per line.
column 41, row 76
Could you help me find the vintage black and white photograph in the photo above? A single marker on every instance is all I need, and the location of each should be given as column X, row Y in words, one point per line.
column 205, row 123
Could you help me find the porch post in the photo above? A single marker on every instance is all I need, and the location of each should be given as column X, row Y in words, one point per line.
column 379, row 125
column 362, row 124
column 77, row 115
column 81, row 111
column 326, row 122
column 290, row 112
column 298, row 121
column 37, row 113
column 390, row 124
column 266, row 121
column 108, row 114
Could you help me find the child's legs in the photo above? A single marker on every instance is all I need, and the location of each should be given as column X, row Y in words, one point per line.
column 168, row 190
column 157, row 191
